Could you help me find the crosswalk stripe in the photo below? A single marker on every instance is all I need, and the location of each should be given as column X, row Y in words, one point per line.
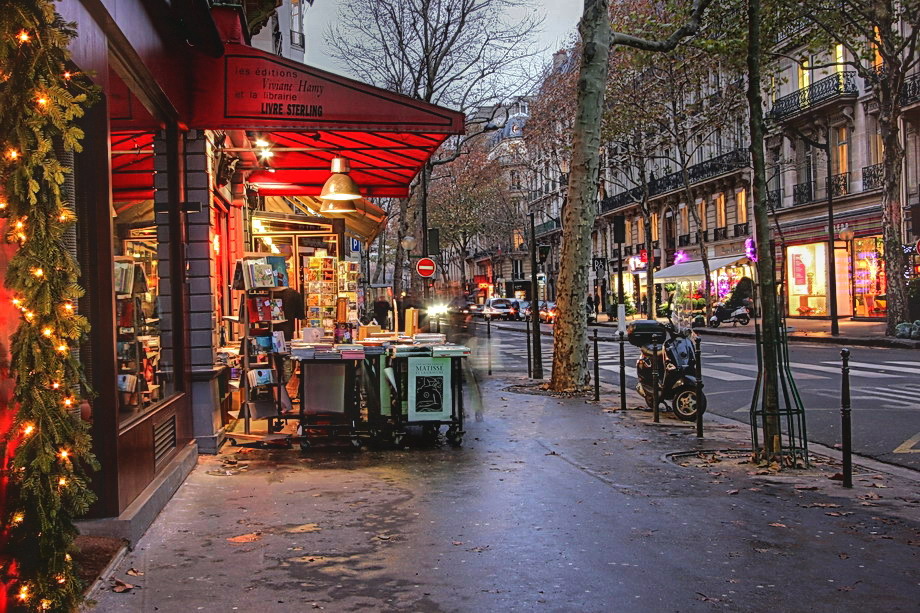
column 904, row 404
column 630, row 371
column 915, row 371
column 889, row 395
column 853, row 373
column 914, row 363
column 724, row 375
column 753, row 368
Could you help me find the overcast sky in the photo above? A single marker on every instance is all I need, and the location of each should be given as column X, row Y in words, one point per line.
column 561, row 20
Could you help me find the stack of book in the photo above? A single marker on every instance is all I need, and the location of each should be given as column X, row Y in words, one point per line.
column 351, row 352
column 430, row 338
column 402, row 351
column 302, row 351
column 449, row 351
column 327, row 353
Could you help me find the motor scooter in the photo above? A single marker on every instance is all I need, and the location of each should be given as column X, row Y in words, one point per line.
column 674, row 355
column 723, row 314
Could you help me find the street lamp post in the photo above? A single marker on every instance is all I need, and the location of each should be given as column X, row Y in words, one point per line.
column 831, row 252
column 408, row 243
column 847, row 235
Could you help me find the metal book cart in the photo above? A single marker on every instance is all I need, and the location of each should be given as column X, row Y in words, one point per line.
column 428, row 393
column 330, row 406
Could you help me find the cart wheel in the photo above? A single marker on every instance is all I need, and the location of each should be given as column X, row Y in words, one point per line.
column 232, row 441
column 454, row 437
column 398, row 438
column 304, row 444
column 276, row 425
column 356, row 442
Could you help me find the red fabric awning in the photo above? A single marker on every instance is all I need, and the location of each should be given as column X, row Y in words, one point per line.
column 132, row 166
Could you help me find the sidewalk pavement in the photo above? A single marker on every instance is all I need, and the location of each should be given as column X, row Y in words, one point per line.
column 554, row 503
column 857, row 333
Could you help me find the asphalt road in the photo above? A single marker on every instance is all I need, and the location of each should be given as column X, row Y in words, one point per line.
column 885, row 385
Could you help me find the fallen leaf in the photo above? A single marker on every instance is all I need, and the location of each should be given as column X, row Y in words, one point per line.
column 383, row 537
column 706, row 598
column 304, row 528
column 836, row 477
column 732, row 492
column 806, row 487
column 879, row 485
column 246, row 538
column 870, row 496
column 134, row 572
column 120, row 586
column 456, row 543
column 779, row 525
column 822, row 505
column 843, row 556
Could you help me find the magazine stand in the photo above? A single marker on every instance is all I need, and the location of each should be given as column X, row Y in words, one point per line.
column 133, row 354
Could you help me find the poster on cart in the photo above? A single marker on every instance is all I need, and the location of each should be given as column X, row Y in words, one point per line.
column 429, row 389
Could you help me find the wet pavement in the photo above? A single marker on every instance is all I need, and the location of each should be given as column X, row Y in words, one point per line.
column 552, row 504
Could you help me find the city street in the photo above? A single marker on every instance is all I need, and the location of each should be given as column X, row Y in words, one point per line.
column 885, row 385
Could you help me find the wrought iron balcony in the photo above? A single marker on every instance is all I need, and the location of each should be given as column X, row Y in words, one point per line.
column 614, row 253
column 803, row 192
column 671, row 244
column 774, row 198
column 297, row 39
column 872, row 177
column 627, row 250
column 910, row 91
column 721, row 233
column 742, row 229
column 702, row 236
column 790, row 28
column 683, row 240
column 828, row 88
column 839, row 184
column 546, row 227
column 620, row 200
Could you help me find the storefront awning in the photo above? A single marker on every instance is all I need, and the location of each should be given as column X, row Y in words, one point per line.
column 363, row 224
column 693, row 271
column 308, row 116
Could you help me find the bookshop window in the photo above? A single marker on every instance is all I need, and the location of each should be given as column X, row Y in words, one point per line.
column 144, row 350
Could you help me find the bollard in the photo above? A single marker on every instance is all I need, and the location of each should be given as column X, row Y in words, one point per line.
column 845, row 425
column 529, row 356
column 439, row 323
column 489, row 326
column 699, row 388
column 597, row 370
column 622, row 374
column 655, row 413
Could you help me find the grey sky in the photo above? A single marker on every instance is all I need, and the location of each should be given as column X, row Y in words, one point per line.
column 561, row 20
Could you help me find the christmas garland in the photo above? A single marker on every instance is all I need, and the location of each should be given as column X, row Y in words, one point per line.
column 47, row 449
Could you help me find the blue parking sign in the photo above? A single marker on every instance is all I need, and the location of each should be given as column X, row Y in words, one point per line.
column 355, row 245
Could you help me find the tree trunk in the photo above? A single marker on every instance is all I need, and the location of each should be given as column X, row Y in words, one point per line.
column 892, row 214
column 381, row 268
column 651, row 295
column 570, row 355
column 701, row 235
column 402, row 229
column 766, row 268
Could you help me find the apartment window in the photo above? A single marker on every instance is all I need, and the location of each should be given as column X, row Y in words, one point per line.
column 297, row 36
column 877, row 146
column 518, row 239
column 720, row 211
column 654, row 226
column 843, row 151
column 515, row 179
column 684, row 219
column 517, row 269
column 640, row 231
column 839, row 57
column 876, row 56
column 627, row 227
column 701, row 212
column 741, row 203
column 804, row 74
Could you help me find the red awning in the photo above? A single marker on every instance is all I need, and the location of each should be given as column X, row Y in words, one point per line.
column 308, row 116
column 132, row 166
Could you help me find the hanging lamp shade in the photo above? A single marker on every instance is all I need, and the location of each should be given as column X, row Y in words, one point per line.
column 338, row 206
column 340, row 186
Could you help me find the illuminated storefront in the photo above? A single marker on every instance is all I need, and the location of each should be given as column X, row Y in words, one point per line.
column 807, row 280
column 869, row 277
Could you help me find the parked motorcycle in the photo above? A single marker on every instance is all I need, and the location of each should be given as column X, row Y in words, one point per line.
column 724, row 314
column 675, row 357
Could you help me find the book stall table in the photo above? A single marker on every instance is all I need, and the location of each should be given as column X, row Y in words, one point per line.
column 330, row 393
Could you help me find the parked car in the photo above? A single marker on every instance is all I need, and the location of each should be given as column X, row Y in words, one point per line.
column 528, row 310
column 498, row 308
column 475, row 309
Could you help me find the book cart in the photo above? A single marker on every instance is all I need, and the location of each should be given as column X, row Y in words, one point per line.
column 422, row 385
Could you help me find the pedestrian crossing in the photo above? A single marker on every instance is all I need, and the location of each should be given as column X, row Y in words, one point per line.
column 716, row 366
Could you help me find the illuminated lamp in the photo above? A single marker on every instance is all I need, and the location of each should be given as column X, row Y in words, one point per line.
column 340, row 186
column 338, row 206
column 680, row 257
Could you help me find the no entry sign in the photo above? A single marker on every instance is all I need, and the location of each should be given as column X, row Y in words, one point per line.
column 425, row 267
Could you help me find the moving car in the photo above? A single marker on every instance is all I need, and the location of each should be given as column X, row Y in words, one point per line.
column 521, row 309
column 498, row 308
column 548, row 312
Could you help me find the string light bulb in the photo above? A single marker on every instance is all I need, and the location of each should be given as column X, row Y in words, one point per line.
column 23, row 37
column 67, row 557
column 68, row 402
column 42, row 101
column 64, row 454
column 20, row 225
column 28, row 429
column 62, row 348
column 3, row 205
column 18, row 518
column 23, row 594
column 55, row 385
column 47, row 332
column 38, row 272
column 29, row 315
column 62, row 481
column 61, row 579
column 68, row 306
column 17, row 302
column 12, row 154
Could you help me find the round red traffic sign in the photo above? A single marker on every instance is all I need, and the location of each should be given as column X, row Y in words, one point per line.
column 425, row 267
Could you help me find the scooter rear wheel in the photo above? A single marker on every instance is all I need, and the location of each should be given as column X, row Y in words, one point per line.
column 714, row 323
column 686, row 404
column 744, row 320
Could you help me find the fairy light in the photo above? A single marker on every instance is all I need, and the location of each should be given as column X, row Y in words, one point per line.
column 18, row 518
column 47, row 332
column 23, row 37
column 67, row 557
column 20, row 225
column 17, row 302
column 68, row 306
column 3, row 205
column 63, row 217
column 29, row 315
column 28, row 429
column 46, row 604
column 68, row 402
column 23, row 594
column 61, row 579
column 64, row 454
column 38, row 272
column 62, row 348
column 12, row 154
column 55, row 385
column 42, row 101
column 67, row 75
column 62, row 481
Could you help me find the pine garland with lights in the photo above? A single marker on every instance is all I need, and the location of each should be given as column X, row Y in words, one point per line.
column 48, row 488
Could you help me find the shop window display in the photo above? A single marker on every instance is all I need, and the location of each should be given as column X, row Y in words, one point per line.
column 806, row 279
column 144, row 362
column 869, row 277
